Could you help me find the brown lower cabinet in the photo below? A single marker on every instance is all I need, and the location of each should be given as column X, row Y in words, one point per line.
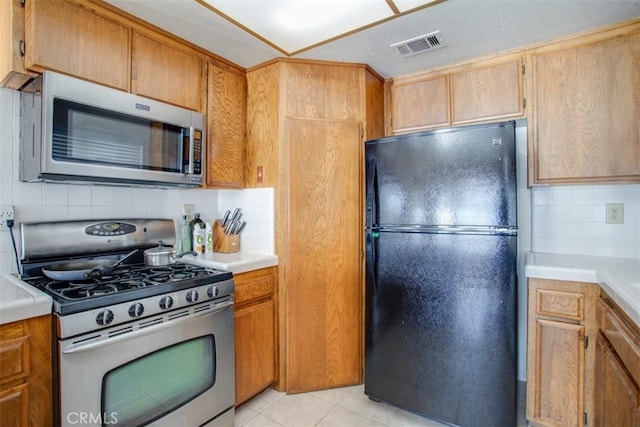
column 617, row 392
column 560, row 359
column 25, row 373
column 255, row 332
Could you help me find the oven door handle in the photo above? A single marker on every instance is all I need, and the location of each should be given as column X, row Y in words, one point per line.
column 145, row 331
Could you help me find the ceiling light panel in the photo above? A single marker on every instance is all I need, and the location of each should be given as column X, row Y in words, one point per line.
column 405, row 5
column 297, row 24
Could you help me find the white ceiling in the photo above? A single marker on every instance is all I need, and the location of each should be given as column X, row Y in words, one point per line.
column 293, row 26
column 469, row 28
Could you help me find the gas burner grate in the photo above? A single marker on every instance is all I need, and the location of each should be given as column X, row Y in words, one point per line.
column 124, row 279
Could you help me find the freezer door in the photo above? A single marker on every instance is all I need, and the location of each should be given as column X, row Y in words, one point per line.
column 455, row 177
column 440, row 335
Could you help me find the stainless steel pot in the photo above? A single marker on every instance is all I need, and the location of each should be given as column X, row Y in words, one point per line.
column 162, row 255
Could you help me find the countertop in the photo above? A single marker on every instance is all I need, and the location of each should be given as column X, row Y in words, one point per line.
column 239, row 262
column 618, row 277
column 19, row 301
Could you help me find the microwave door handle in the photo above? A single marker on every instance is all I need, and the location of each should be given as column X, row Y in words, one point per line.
column 192, row 133
column 188, row 135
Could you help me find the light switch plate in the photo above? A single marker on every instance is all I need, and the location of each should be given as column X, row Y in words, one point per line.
column 614, row 213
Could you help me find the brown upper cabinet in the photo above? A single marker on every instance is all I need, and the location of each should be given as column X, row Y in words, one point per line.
column 162, row 71
column 95, row 41
column 67, row 37
column 226, row 120
column 12, row 71
column 488, row 92
column 421, row 103
column 475, row 92
column 585, row 93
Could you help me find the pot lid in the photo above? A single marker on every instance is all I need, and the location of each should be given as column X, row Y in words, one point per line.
column 161, row 249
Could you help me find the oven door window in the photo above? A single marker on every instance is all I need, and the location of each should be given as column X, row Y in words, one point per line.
column 156, row 384
column 86, row 134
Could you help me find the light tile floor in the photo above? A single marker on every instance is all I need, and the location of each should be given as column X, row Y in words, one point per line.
column 340, row 407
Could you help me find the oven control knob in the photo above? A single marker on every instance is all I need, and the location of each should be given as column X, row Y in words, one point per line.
column 192, row 296
column 212, row 291
column 166, row 303
column 136, row 310
column 104, row 318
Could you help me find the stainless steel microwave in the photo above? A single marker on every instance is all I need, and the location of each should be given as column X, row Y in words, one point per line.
column 76, row 131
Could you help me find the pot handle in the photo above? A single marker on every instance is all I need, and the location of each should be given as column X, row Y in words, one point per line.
column 194, row 253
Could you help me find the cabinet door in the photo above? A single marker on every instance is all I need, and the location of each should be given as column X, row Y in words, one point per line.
column 324, row 289
column 323, row 92
column 420, row 104
column 166, row 73
column 25, row 373
column 586, row 109
column 255, row 349
column 617, row 395
column 12, row 72
column 559, row 374
column 14, row 406
column 226, row 119
column 486, row 93
column 66, row 37
column 560, row 380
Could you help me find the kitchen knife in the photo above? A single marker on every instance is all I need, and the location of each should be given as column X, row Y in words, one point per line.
column 234, row 215
column 225, row 218
column 230, row 230
column 241, row 227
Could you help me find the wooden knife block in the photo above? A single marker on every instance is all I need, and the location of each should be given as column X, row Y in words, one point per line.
column 224, row 243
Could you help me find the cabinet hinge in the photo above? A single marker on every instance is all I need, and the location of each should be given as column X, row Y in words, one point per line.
column 21, row 48
column 586, row 341
column 585, row 418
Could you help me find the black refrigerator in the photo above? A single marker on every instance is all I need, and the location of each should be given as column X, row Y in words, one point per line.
column 441, row 234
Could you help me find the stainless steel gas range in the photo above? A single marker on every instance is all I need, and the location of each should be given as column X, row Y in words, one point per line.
column 135, row 344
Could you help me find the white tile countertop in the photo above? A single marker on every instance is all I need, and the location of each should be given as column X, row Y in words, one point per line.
column 239, row 262
column 618, row 277
column 19, row 301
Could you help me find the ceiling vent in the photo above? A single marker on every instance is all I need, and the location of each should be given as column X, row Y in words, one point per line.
column 420, row 44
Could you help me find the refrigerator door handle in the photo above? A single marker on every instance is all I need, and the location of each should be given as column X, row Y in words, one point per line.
column 372, row 261
column 372, row 193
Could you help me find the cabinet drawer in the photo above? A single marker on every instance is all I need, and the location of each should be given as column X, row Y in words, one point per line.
column 624, row 341
column 568, row 305
column 254, row 285
column 251, row 291
column 14, row 358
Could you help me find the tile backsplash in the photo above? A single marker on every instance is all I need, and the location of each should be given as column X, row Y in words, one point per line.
column 571, row 220
column 52, row 202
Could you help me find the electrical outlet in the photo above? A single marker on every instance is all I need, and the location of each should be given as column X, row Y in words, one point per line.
column 614, row 213
column 6, row 213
